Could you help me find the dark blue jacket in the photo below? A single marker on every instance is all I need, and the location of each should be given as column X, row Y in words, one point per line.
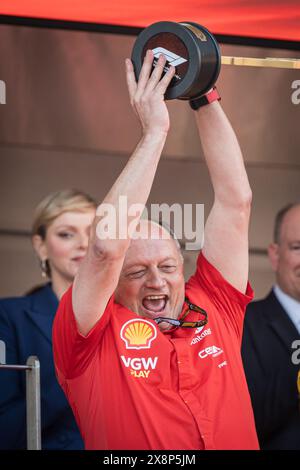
column 26, row 329
column 271, row 375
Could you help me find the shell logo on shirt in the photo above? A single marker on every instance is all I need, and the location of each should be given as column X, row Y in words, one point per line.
column 138, row 334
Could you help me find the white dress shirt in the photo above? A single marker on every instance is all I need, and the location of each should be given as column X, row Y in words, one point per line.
column 290, row 305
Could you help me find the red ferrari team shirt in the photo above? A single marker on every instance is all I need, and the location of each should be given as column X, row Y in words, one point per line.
column 133, row 387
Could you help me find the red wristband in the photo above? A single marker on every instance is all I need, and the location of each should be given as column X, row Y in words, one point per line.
column 209, row 97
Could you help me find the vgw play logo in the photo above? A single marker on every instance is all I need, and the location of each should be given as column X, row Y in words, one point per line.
column 2, row 92
column 140, row 367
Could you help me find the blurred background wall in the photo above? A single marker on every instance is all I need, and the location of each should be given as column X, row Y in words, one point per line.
column 67, row 123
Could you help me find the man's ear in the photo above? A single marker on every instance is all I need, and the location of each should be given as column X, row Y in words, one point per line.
column 273, row 252
column 40, row 248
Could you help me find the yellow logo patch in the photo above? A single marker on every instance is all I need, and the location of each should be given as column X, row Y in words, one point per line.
column 138, row 334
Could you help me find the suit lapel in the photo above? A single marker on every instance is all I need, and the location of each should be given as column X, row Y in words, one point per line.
column 42, row 310
column 280, row 322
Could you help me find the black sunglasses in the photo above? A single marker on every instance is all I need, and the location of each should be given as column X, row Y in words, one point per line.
column 183, row 323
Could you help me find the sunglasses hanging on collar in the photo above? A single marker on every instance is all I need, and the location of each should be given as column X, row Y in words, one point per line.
column 183, row 323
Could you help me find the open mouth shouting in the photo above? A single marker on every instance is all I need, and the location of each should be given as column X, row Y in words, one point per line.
column 155, row 305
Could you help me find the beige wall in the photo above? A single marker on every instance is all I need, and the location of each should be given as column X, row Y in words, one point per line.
column 67, row 123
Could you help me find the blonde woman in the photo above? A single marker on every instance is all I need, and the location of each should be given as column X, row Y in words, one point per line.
column 60, row 238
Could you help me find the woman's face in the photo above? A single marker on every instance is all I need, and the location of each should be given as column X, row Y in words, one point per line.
column 65, row 244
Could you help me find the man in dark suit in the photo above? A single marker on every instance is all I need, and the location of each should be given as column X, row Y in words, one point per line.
column 26, row 328
column 270, row 346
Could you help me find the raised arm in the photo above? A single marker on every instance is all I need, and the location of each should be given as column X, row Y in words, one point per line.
column 226, row 229
column 99, row 273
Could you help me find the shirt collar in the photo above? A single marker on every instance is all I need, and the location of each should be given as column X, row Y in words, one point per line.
column 290, row 305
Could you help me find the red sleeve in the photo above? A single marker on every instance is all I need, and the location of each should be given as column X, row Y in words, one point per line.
column 73, row 351
column 229, row 301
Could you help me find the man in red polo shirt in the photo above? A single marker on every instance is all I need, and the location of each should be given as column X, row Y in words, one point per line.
column 142, row 365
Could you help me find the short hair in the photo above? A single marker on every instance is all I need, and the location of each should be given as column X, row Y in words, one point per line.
column 161, row 223
column 279, row 219
column 171, row 232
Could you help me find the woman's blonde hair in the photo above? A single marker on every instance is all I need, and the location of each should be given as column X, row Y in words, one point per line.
column 55, row 204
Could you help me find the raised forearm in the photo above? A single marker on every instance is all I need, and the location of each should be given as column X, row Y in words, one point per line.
column 137, row 177
column 131, row 188
column 223, row 156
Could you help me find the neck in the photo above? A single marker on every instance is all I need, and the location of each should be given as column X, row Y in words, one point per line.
column 60, row 285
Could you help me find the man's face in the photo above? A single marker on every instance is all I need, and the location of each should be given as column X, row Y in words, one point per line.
column 151, row 283
column 285, row 256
